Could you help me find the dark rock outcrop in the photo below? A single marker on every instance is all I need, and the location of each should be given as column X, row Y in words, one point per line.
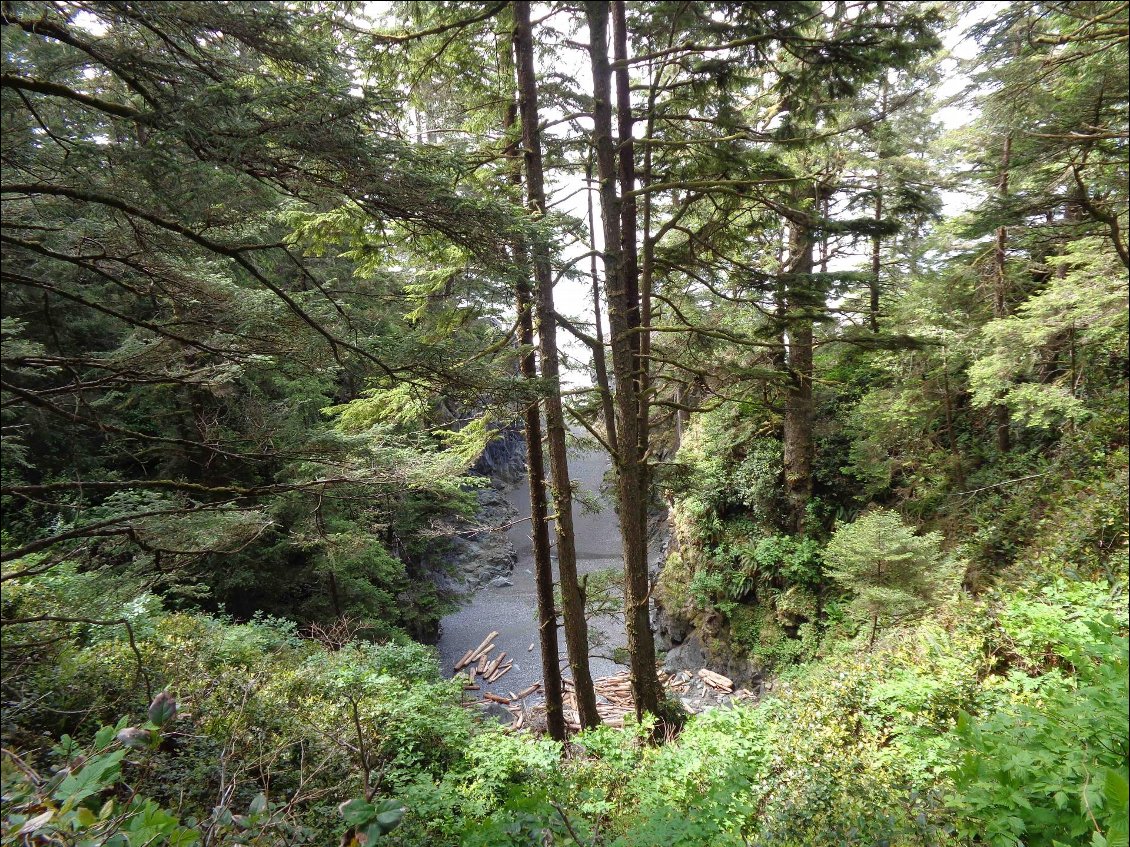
column 716, row 654
column 504, row 460
column 472, row 559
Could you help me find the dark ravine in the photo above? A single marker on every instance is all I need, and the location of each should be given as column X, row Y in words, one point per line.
column 494, row 572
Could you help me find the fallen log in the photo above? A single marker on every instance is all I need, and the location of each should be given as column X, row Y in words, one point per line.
column 526, row 692
column 496, row 698
column 716, row 680
column 482, row 648
column 493, row 666
column 498, row 674
column 463, row 662
column 484, row 653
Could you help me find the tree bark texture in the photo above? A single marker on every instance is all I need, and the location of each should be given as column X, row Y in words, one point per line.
column 633, row 284
column 599, row 361
column 535, row 463
column 876, row 258
column 572, row 601
column 630, row 459
column 799, row 445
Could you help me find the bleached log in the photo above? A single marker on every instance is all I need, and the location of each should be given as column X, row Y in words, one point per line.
column 478, row 651
column 493, row 666
column 499, row 672
column 716, row 680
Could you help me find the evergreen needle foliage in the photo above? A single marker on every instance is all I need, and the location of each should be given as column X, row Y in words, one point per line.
column 890, row 571
column 291, row 290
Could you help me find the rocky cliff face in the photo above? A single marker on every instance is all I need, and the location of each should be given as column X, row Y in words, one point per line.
column 504, row 460
column 479, row 551
column 693, row 640
column 690, row 645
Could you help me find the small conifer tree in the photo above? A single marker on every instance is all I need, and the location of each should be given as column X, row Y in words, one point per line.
column 891, row 571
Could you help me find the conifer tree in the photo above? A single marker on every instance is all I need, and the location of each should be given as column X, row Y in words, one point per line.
column 890, row 571
column 572, row 601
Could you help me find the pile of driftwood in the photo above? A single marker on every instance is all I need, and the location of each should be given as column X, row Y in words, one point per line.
column 717, row 681
column 479, row 664
column 613, row 700
column 613, row 693
column 681, row 681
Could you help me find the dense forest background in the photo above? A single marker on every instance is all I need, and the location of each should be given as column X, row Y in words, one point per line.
column 276, row 277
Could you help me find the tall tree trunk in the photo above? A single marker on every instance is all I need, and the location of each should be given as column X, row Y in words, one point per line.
column 629, row 461
column 876, row 257
column 634, row 285
column 825, row 242
column 626, row 171
column 572, row 601
column 1000, row 291
column 539, row 532
column 599, row 361
column 535, row 462
column 799, row 445
column 951, row 435
column 876, row 239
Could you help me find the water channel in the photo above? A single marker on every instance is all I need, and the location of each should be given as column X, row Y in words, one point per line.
column 512, row 610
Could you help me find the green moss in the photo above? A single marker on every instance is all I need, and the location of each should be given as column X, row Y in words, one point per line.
column 671, row 589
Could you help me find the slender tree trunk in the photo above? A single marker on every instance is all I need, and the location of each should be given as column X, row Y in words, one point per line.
column 1000, row 291
column 535, row 462
column 572, row 601
column 539, row 529
column 876, row 239
column 951, row 436
column 876, row 258
column 629, row 461
column 599, row 361
column 626, row 171
column 799, row 444
column 825, row 244
column 332, row 575
column 635, row 283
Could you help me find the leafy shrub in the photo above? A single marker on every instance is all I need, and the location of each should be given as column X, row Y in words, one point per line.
column 84, row 801
column 1049, row 766
column 796, row 561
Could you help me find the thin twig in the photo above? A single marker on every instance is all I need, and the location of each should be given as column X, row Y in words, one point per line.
column 999, row 484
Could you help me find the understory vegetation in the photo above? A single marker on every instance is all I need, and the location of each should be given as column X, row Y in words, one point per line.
column 270, row 280
column 999, row 719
